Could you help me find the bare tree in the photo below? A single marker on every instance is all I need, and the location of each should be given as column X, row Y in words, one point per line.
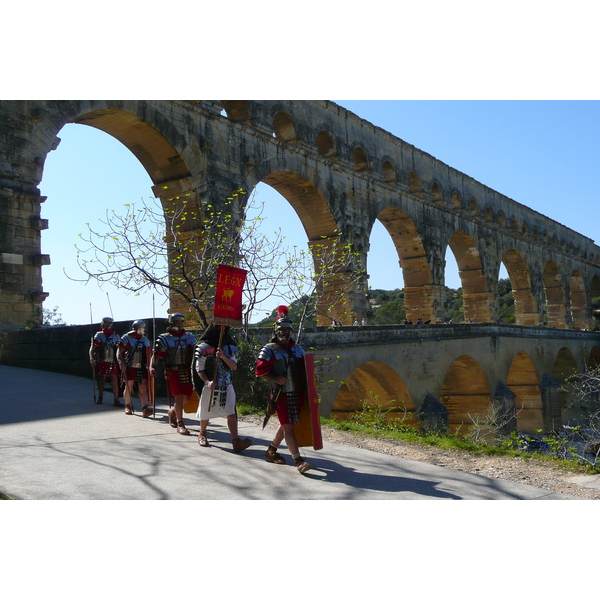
column 175, row 247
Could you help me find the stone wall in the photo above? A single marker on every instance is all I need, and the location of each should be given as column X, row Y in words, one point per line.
column 339, row 172
column 59, row 349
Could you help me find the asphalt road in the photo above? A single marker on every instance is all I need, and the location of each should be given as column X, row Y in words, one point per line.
column 56, row 444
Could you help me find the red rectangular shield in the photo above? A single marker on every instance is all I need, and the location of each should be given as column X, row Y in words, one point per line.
column 308, row 430
column 228, row 296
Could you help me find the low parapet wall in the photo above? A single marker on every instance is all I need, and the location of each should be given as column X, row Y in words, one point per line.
column 65, row 349
column 59, row 349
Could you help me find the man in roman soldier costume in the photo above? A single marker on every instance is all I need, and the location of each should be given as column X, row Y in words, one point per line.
column 132, row 358
column 103, row 359
column 282, row 362
column 176, row 346
column 214, row 364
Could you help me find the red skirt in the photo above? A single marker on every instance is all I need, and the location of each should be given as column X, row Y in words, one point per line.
column 135, row 374
column 106, row 369
column 180, row 382
column 288, row 408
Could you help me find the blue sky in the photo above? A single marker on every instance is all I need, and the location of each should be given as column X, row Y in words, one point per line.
column 543, row 154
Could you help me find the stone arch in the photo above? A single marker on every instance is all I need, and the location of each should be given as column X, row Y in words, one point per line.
column 418, row 289
column 456, row 201
column 374, row 384
column 579, row 303
column 237, row 110
column 555, row 296
column 389, row 172
column 473, row 207
column 523, row 380
column 564, row 367
column 594, row 358
column 166, row 168
column 501, row 219
column 437, row 194
column 283, row 127
column 488, row 214
column 465, row 393
column 595, row 299
column 322, row 232
column 476, row 298
column 414, row 184
column 514, row 225
column 326, row 145
column 360, row 160
column 520, row 281
column 156, row 153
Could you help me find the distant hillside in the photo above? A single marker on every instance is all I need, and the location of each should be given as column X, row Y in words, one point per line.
column 387, row 307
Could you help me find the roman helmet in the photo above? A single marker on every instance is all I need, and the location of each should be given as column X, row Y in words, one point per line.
column 283, row 325
column 139, row 327
column 176, row 321
column 106, row 323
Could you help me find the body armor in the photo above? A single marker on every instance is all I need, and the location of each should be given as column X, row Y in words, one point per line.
column 106, row 346
column 287, row 364
column 178, row 353
column 135, row 350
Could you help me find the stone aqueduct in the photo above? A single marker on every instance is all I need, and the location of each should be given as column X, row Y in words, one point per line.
column 340, row 173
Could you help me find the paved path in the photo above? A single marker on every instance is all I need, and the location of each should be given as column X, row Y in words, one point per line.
column 55, row 443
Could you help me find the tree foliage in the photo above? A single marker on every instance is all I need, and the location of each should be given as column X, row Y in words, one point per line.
column 44, row 318
column 175, row 247
column 506, row 302
column 322, row 280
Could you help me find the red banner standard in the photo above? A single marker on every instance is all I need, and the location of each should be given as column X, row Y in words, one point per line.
column 228, row 296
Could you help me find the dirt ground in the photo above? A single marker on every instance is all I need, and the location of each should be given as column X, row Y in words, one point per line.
column 530, row 472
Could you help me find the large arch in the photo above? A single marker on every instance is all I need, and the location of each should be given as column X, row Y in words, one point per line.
column 555, row 296
column 520, row 281
column 476, row 298
column 168, row 171
column 324, row 241
column 419, row 293
column 374, row 385
column 465, row 393
column 523, row 380
column 156, row 153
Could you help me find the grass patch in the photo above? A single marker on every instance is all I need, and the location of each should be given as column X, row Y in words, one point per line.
column 403, row 433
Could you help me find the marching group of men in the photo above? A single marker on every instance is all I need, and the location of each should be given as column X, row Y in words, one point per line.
column 131, row 359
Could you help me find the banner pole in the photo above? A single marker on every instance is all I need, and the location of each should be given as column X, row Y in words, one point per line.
column 151, row 354
column 92, row 353
column 216, row 366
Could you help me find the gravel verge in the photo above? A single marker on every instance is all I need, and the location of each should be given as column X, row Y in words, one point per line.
column 516, row 469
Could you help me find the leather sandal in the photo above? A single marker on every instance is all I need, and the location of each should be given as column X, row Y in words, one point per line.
column 146, row 411
column 203, row 440
column 239, row 444
column 274, row 456
column 128, row 409
column 182, row 429
column 301, row 464
column 172, row 418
